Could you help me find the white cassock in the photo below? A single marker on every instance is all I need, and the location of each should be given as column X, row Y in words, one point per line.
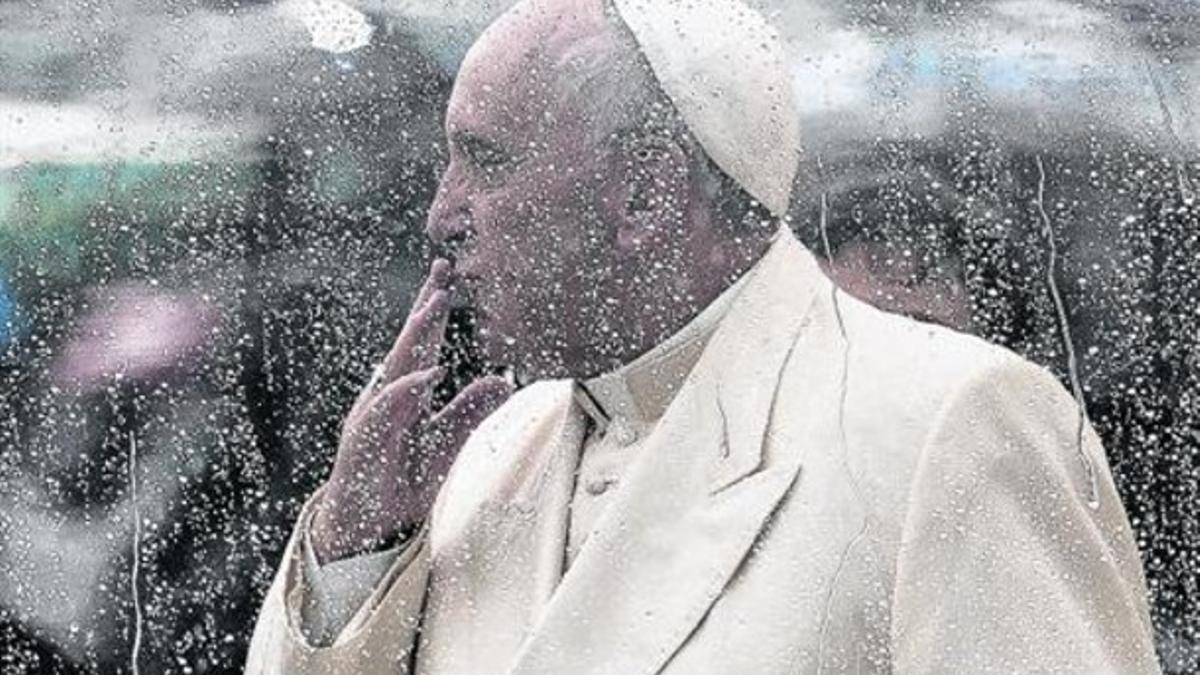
column 794, row 483
column 803, row 484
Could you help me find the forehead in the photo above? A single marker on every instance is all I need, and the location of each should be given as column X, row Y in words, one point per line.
column 507, row 81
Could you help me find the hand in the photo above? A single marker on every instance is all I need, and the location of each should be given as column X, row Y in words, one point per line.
column 395, row 450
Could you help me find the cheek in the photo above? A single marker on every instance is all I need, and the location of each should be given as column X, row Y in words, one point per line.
column 544, row 237
column 538, row 220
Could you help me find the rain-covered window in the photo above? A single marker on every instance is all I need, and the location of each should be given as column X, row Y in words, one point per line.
column 215, row 218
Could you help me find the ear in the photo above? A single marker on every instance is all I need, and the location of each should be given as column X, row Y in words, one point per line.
column 653, row 195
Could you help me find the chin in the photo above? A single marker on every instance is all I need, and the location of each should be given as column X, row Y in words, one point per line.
column 498, row 344
column 503, row 351
column 533, row 350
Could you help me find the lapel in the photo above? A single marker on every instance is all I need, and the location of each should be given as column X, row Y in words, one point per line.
column 697, row 498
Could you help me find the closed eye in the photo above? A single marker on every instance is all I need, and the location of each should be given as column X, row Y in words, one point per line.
column 481, row 152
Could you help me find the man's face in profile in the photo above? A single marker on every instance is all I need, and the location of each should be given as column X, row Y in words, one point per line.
column 521, row 204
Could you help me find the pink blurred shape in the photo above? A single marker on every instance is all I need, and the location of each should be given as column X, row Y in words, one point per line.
column 136, row 332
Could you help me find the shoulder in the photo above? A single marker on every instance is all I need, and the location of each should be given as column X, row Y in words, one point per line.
column 895, row 363
column 901, row 386
column 532, row 412
column 974, row 408
column 530, row 407
column 498, row 452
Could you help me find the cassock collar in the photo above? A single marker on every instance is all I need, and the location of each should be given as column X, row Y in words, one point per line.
column 635, row 395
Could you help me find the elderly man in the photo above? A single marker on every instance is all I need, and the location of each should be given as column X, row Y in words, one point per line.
column 723, row 464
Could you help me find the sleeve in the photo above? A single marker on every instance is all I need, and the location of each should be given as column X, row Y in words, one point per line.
column 337, row 589
column 1016, row 554
column 379, row 636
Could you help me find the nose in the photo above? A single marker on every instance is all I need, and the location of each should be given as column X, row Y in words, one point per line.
column 449, row 225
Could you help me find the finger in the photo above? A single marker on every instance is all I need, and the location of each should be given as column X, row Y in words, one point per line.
column 364, row 396
column 419, row 344
column 453, row 424
column 440, row 275
column 439, row 278
column 475, row 402
column 401, row 403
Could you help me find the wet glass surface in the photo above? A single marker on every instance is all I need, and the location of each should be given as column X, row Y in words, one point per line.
column 212, row 222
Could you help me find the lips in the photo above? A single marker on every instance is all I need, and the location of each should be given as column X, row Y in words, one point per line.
column 464, row 292
column 461, row 297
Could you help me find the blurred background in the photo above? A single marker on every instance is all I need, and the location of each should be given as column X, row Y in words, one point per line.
column 211, row 220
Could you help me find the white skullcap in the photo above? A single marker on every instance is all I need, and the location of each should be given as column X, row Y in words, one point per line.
column 724, row 68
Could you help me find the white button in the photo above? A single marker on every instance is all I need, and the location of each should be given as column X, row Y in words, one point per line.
column 624, row 434
column 599, row 486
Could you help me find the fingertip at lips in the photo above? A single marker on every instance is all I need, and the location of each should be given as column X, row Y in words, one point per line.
column 441, row 271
